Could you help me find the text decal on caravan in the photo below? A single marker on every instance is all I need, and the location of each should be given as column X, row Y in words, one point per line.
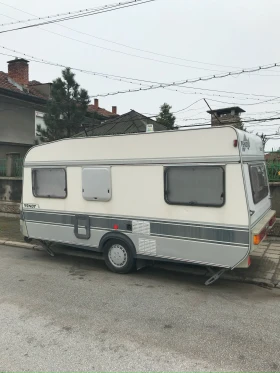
column 31, row 206
column 245, row 143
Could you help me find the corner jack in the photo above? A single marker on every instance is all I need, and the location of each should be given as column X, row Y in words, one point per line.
column 215, row 276
column 47, row 247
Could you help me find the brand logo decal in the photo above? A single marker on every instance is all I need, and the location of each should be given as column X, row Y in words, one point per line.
column 245, row 144
column 31, row 205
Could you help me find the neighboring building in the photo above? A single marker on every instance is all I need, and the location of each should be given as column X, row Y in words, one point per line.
column 226, row 116
column 22, row 108
column 102, row 112
column 20, row 99
column 273, row 156
column 131, row 122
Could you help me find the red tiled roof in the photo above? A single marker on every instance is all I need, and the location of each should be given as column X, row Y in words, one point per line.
column 31, row 91
column 101, row 111
column 4, row 83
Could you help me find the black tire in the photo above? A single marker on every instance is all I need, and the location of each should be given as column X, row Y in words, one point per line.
column 122, row 259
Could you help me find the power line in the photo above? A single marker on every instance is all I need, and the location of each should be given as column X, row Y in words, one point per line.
column 125, row 53
column 127, row 79
column 254, row 103
column 109, row 8
column 261, row 120
column 62, row 14
column 194, row 80
column 104, row 75
column 113, row 42
column 117, row 51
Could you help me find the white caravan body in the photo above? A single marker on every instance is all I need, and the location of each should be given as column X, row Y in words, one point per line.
column 197, row 196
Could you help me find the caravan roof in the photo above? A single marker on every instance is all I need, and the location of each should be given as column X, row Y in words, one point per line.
column 217, row 144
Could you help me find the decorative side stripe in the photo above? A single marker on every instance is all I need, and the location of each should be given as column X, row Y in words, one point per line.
column 167, row 229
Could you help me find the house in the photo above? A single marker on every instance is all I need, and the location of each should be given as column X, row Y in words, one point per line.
column 22, row 107
column 131, row 122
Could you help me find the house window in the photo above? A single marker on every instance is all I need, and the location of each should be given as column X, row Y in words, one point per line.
column 96, row 183
column 49, row 182
column 259, row 183
column 39, row 120
column 195, row 185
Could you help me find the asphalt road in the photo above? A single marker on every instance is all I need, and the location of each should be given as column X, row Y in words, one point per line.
column 71, row 314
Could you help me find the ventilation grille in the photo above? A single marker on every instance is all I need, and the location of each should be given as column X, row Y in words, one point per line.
column 141, row 227
column 147, row 247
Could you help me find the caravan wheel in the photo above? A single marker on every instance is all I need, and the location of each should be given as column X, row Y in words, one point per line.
column 118, row 256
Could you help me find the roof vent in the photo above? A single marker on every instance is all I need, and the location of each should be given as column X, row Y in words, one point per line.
column 149, row 128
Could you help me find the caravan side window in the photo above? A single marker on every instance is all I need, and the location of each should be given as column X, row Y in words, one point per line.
column 49, row 182
column 195, row 185
column 259, row 182
column 96, row 183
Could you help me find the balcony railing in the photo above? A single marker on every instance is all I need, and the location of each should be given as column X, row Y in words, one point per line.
column 17, row 165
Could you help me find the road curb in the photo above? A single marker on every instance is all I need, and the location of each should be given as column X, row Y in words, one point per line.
column 22, row 245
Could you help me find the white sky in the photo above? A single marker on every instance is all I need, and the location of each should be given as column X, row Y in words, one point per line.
column 238, row 34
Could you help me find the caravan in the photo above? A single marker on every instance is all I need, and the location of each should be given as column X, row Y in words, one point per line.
column 196, row 196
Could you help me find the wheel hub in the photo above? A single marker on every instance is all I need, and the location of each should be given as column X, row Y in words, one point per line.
column 117, row 256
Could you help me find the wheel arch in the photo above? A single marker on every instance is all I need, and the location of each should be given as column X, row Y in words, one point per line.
column 116, row 236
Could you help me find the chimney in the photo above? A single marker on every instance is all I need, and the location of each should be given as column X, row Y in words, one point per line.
column 114, row 110
column 96, row 105
column 226, row 117
column 18, row 70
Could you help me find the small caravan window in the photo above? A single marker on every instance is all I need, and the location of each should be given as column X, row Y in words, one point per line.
column 49, row 182
column 195, row 185
column 96, row 183
column 259, row 182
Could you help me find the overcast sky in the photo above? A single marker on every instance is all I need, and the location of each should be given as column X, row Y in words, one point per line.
column 199, row 34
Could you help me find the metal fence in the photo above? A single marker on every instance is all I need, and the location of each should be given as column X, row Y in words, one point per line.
column 16, row 167
column 3, row 167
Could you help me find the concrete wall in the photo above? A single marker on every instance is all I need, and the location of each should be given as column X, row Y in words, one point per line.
column 17, row 124
column 6, row 148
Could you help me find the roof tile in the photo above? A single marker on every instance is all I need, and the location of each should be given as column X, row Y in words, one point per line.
column 4, row 83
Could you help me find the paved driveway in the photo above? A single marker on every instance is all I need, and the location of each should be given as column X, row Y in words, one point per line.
column 71, row 314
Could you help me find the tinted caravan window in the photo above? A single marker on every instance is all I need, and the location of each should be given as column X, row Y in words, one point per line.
column 49, row 182
column 195, row 185
column 259, row 183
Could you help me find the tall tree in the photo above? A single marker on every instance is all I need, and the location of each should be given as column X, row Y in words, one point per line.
column 165, row 117
column 66, row 109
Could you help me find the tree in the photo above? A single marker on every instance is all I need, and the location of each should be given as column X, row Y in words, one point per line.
column 66, row 109
column 165, row 117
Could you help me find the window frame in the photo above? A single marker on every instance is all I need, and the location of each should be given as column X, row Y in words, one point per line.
column 251, row 181
column 191, row 204
column 49, row 168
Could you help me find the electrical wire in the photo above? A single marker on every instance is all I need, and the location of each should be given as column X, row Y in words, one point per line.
column 85, row 14
column 128, row 79
column 194, row 80
column 75, row 12
column 104, row 75
column 113, row 42
column 117, row 51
